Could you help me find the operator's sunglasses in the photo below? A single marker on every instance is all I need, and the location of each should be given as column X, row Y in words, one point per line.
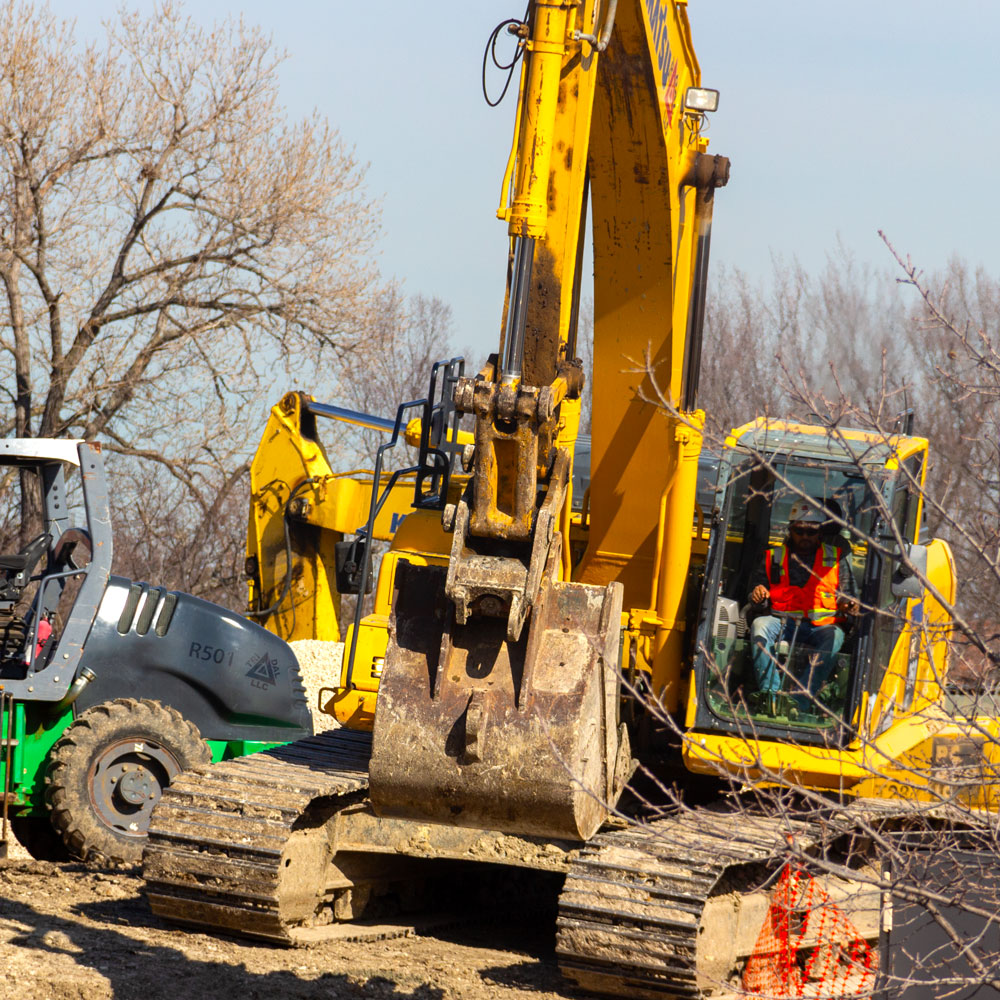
column 804, row 530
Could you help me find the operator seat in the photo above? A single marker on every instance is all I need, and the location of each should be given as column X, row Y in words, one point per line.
column 15, row 574
column 16, row 570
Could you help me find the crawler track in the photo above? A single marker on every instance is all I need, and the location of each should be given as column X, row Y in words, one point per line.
column 631, row 912
column 230, row 847
column 256, row 847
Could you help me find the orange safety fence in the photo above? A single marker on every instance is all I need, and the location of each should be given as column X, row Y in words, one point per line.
column 808, row 947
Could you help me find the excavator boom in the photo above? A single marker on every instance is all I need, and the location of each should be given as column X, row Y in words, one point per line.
column 498, row 703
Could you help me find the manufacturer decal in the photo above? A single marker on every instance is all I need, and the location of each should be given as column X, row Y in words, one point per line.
column 669, row 69
column 671, row 96
column 263, row 672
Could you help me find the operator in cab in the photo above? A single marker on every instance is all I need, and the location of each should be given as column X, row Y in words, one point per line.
column 803, row 594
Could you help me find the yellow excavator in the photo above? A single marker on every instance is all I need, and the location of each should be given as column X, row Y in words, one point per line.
column 522, row 660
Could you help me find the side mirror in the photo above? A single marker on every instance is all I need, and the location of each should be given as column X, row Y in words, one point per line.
column 349, row 558
column 906, row 583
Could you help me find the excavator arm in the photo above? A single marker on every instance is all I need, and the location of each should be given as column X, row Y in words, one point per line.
column 498, row 705
column 298, row 564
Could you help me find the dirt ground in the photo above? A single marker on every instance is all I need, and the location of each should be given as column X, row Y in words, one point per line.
column 68, row 932
column 71, row 933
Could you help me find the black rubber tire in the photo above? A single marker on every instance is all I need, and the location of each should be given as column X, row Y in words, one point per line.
column 109, row 769
column 39, row 838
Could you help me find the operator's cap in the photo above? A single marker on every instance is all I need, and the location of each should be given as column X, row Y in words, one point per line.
column 806, row 512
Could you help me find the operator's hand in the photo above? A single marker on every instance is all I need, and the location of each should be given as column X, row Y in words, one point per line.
column 848, row 606
column 760, row 594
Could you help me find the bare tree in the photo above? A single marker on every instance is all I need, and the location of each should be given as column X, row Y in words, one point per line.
column 956, row 344
column 405, row 337
column 840, row 327
column 168, row 239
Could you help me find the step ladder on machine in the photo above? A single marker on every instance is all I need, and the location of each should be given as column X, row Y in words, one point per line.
column 7, row 744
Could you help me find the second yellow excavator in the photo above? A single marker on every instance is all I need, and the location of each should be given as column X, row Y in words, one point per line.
column 523, row 659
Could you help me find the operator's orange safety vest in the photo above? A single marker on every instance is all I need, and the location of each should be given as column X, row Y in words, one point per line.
column 817, row 600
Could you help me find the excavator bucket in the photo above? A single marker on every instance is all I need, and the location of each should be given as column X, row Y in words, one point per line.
column 475, row 730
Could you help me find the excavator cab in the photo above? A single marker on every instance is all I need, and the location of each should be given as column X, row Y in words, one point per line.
column 766, row 674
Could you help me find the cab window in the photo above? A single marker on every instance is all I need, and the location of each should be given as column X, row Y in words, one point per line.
column 811, row 691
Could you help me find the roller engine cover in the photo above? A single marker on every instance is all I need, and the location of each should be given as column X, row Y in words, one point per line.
column 229, row 676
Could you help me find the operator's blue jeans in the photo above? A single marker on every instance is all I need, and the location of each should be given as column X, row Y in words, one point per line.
column 824, row 642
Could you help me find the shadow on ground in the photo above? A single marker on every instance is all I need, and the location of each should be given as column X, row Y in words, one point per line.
column 137, row 970
column 110, row 944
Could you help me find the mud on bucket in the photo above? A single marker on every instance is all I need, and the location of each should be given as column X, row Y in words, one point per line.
column 521, row 737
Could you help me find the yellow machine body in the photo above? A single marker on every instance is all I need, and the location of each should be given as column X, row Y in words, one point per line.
column 611, row 127
column 419, row 541
column 300, row 510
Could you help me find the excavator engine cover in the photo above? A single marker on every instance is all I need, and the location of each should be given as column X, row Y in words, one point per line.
column 521, row 737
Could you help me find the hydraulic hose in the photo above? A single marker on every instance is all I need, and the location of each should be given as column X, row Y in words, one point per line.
column 600, row 43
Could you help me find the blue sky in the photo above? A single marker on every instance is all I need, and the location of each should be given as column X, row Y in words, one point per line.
column 840, row 119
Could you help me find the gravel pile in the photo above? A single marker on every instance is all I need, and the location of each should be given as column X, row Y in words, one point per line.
column 320, row 664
